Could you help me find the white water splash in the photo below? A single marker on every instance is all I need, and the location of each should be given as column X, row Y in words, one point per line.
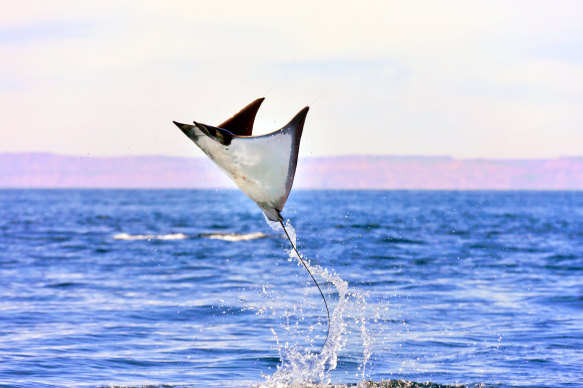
column 234, row 236
column 299, row 365
column 125, row 236
column 231, row 237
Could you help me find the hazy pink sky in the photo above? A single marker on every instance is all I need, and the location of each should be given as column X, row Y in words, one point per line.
column 495, row 79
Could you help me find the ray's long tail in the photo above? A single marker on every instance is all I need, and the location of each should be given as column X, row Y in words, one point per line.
column 313, row 278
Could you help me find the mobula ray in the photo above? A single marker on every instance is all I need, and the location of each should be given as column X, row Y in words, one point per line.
column 263, row 167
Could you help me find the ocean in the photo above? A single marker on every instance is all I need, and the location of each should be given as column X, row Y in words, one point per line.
column 192, row 288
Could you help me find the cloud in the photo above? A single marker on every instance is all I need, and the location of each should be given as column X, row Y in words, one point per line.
column 33, row 33
column 465, row 78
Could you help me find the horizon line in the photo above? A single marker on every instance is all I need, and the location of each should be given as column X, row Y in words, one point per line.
column 450, row 157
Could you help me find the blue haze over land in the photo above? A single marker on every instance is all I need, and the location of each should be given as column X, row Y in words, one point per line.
column 134, row 287
column 46, row 170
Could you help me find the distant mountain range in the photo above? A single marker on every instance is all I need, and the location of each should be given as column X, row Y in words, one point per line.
column 45, row 170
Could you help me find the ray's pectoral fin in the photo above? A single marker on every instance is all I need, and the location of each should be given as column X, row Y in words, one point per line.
column 241, row 124
column 294, row 130
column 273, row 166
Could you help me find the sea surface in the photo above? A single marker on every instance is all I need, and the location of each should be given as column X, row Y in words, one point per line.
column 193, row 288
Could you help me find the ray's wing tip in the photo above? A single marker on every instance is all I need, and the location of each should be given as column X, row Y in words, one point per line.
column 257, row 104
column 253, row 105
column 300, row 117
column 302, row 113
column 296, row 124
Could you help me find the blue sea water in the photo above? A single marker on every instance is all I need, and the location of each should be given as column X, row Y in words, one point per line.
column 192, row 288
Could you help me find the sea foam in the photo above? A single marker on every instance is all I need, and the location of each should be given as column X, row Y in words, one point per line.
column 299, row 365
column 174, row 236
column 234, row 236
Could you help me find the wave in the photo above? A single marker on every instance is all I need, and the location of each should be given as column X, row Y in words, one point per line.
column 404, row 384
column 174, row 236
column 181, row 236
column 412, row 384
column 234, row 236
column 370, row 384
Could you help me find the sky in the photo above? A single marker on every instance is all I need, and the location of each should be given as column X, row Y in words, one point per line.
column 469, row 79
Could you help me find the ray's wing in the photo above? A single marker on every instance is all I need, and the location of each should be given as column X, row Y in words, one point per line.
column 264, row 167
column 241, row 124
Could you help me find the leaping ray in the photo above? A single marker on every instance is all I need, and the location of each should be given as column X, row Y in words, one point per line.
column 263, row 167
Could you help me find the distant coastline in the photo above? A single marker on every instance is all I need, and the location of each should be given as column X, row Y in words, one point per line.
column 46, row 170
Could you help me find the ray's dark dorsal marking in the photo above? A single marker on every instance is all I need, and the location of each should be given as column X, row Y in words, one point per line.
column 263, row 167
